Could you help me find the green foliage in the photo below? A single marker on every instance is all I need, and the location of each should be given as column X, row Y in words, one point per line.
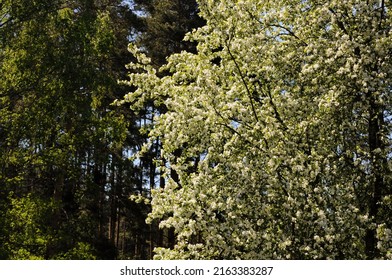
column 287, row 107
column 26, row 222
column 30, row 234
column 81, row 251
column 61, row 142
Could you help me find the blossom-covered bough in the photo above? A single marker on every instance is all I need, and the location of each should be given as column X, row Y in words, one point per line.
column 287, row 107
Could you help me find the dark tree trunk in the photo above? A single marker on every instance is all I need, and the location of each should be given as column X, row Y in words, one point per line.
column 377, row 184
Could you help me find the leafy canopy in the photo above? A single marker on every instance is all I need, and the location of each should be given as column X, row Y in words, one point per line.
column 287, row 105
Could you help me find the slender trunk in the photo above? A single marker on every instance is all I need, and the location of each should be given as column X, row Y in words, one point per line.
column 118, row 237
column 113, row 206
column 57, row 199
column 376, row 119
column 100, row 181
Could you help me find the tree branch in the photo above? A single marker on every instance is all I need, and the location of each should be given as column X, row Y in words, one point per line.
column 339, row 22
column 243, row 81
column 290, row 33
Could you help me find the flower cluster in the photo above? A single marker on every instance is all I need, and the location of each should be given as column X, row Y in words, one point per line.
column 280, row 107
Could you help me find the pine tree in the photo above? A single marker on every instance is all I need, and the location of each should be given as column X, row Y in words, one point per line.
column 165, row 26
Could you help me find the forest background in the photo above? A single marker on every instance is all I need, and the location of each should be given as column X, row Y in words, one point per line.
column 67, row 165
column 265, row 134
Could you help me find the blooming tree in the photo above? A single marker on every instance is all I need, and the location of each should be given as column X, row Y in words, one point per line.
column 283, row 123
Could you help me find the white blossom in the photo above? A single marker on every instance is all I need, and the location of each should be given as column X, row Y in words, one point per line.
column 281, row 126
